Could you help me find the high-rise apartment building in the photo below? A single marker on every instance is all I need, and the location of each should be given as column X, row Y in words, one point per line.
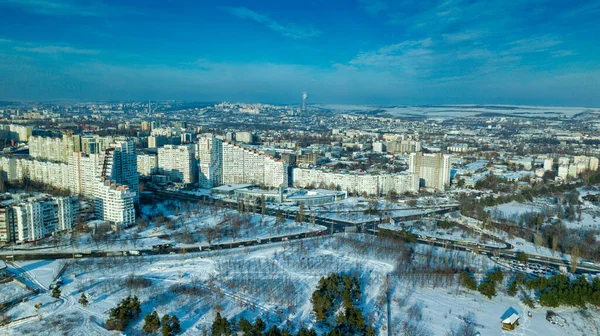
column 147, row 164
column 433, row 169
column 355, row 183
column 124, row 164
column 403, row 146
column 242, row 165
column 156, row 141
column 224, row 162
column 36, row 218
column 177, row 162
column 115, row 203
column 210, row 156
column 16, row 132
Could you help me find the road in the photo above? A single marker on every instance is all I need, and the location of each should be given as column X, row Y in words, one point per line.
column 334, row 225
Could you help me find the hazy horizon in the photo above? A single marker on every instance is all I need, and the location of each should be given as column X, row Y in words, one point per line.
column 376, row 52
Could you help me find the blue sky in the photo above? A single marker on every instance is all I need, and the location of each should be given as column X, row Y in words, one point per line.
column 349, row 52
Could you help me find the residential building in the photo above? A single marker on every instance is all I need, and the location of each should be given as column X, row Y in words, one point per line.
column 147, row 164
column 548, row 164
column 115, row 203
column 245, row 137
column 156, row 141
column 177, row 162
column 39, row 217
column 433, row 169
column 210, row 156
column 356, row 183
column 403, row 146
column 379, row 147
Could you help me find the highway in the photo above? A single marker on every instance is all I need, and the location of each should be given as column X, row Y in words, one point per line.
column 333, row 225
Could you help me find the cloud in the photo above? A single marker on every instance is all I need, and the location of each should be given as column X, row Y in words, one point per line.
column 563, row 53
column 409, row 56
column 288, row 29
column 465, row 36
column 446, row 59
column 533, row 44
column 282, row 83
column 66, row 8
column 55, row 49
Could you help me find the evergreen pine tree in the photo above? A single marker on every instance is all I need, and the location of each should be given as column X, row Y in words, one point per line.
column 83, row 300
column 56, row 292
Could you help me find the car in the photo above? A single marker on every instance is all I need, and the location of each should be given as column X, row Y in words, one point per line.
column 172, row 252
column 78, row 255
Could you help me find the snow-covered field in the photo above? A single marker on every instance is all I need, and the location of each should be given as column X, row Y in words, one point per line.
column 276, row 283
column 453, row 111
column 514, row 210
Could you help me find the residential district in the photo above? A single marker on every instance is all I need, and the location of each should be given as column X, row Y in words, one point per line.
column 250, row 218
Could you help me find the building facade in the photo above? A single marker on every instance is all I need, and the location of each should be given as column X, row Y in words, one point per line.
column 178, row 162
column 147, row 164
column 39, row 217
column 433, row 169
column 115, row 203
column 358, row 184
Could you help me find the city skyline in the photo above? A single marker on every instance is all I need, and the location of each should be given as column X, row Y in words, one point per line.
column 354, row 52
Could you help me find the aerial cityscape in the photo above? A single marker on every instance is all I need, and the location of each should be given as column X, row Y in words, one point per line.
column 368, row 167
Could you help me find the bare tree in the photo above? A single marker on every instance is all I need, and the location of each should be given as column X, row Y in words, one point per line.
column 575, row 254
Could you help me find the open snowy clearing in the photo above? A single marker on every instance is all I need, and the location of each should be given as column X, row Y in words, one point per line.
column 276, row 283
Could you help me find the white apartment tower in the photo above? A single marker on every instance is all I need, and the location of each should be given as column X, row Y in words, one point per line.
column 147, row 164
column 115, row 203
column 211, row 161
column 224, row 162
column 433, row 169
column 124, row 164
column 177, row 162
column 37, row 218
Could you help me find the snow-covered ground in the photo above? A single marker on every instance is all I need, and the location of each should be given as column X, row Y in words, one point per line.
column 514, row 210
column 454, row 111
column 179, row 223
column 519, row 244
column 456, row 233
column 42, row 272
column 276, row 283
column 444, row 308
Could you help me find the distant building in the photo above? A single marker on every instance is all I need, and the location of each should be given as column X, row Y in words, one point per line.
column 156, row 141
column 17, row 132
column 379, row 147
column 245, row 137
column 458, row 148
column 403, row 146
column 548, row 164
column 355, row 183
